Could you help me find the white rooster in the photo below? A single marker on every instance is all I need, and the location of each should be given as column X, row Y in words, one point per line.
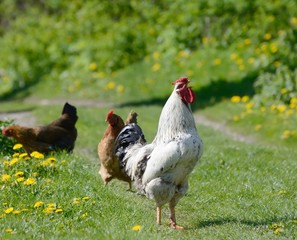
column 160, row 170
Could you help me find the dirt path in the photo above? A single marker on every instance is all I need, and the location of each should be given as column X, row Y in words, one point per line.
column 27, row 119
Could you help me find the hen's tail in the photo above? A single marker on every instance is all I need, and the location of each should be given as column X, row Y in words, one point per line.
column 130, row 135
column 70, row 111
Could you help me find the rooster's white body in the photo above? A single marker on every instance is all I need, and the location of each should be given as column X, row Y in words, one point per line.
column 160, row 170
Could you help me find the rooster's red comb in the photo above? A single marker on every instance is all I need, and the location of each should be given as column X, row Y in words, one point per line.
column 181, row 80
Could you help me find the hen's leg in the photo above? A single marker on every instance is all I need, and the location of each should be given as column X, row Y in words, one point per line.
column 173, row 220
column 159, row 215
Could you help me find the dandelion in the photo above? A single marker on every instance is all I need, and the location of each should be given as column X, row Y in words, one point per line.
column 233, row 56
column 86, row 198
column 75, row 201
column 235, row 99
column 156, row 55
column 247, row 41
column 8, row 210
column 258, row 127
column 84, row 215
column 249, row 105
column 45, row 163
column 236, row 118
column 2, row 215
column 93, row 66
column 38, row 204
column 251, row 60
column 16, row 212
column 217, row 61
column 110, row 85
column 52, row 160
column 120, row 88
column 20, row 179
column 267, row 36
column 5, row 177
column 281, row 108
column 36, row 154
column 244, row 99
column 8, row 230
column 15, row 155
column 30, row 181
column 51, row 205
column 48, row 210
column 156, row 67
column 136, row 228
column 293, row 21
column 13, row 161
column 285, row 134
column 273, row 48
column 19, row 174
column 59, row 210
column 17, row 146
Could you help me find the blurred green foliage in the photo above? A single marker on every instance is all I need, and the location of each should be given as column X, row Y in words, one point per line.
column 6, row 144
column 63, row 41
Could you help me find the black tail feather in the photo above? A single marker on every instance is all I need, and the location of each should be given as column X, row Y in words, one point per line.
column 70, row 110
column 129, row 135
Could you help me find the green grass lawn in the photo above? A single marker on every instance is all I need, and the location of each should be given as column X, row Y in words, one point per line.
column 237, row 191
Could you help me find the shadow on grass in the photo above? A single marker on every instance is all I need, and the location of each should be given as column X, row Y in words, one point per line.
column 223, row 221
column 209, row 95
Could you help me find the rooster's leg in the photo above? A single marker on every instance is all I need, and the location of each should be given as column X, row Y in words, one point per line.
column 159, row 215
column 173, row 220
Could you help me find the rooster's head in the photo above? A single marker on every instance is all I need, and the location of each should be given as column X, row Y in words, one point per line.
column 186, row 93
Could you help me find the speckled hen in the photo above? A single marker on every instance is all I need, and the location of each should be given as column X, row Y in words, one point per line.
column 160, row 170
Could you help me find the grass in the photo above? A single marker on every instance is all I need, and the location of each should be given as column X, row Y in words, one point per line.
column 237, row 191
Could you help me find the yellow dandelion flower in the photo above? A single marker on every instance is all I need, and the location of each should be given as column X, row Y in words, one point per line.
column 235, row 99
column 156, row 55
column 38, row 204
column 52, row 160
column 58, row 210
column 273, row 107
column 293, row 21
column 30, row 181
column 267, row 36
column 8, row 230
column 217, row 61
column 258, row 127
column 45, row 163
column 6, row 163
column 2, row 215
column 5, row 177
column 16, row 212
column 36, row 154
column 20, row 179
column 17, row 146
column 93, row 66
column 251, row 60
column 8, row 210
column 15, row 155
column 156, row 67
column 75, row 201
column 86, row 198
column 276, row 63
column 51, row 205
column 35, row 174
column 284, row 91
column 244, row 99
column 48, row 210
column 278, row 230
column 281, row 108
column 293, row 100
column 110, row 85
column 273, row 48
column 236, row 118
column 136, row 228
column 22, row 155
column 19, row 174
column 249, row 105
column 247, row 41
column 233, row 56
column 84, row 215
column 286, row 134
column 13, row 161
column 120, row 88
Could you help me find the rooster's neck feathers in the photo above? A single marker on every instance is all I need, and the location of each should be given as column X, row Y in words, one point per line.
column 176, row 117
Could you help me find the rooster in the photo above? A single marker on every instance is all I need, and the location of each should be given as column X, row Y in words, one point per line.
column 109, row 166
column 61, row 134
column 160, row 170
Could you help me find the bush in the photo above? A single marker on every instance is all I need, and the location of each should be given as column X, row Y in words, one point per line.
column 6, row 144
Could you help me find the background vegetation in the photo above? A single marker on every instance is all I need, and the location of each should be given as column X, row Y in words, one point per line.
column 241, row 57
